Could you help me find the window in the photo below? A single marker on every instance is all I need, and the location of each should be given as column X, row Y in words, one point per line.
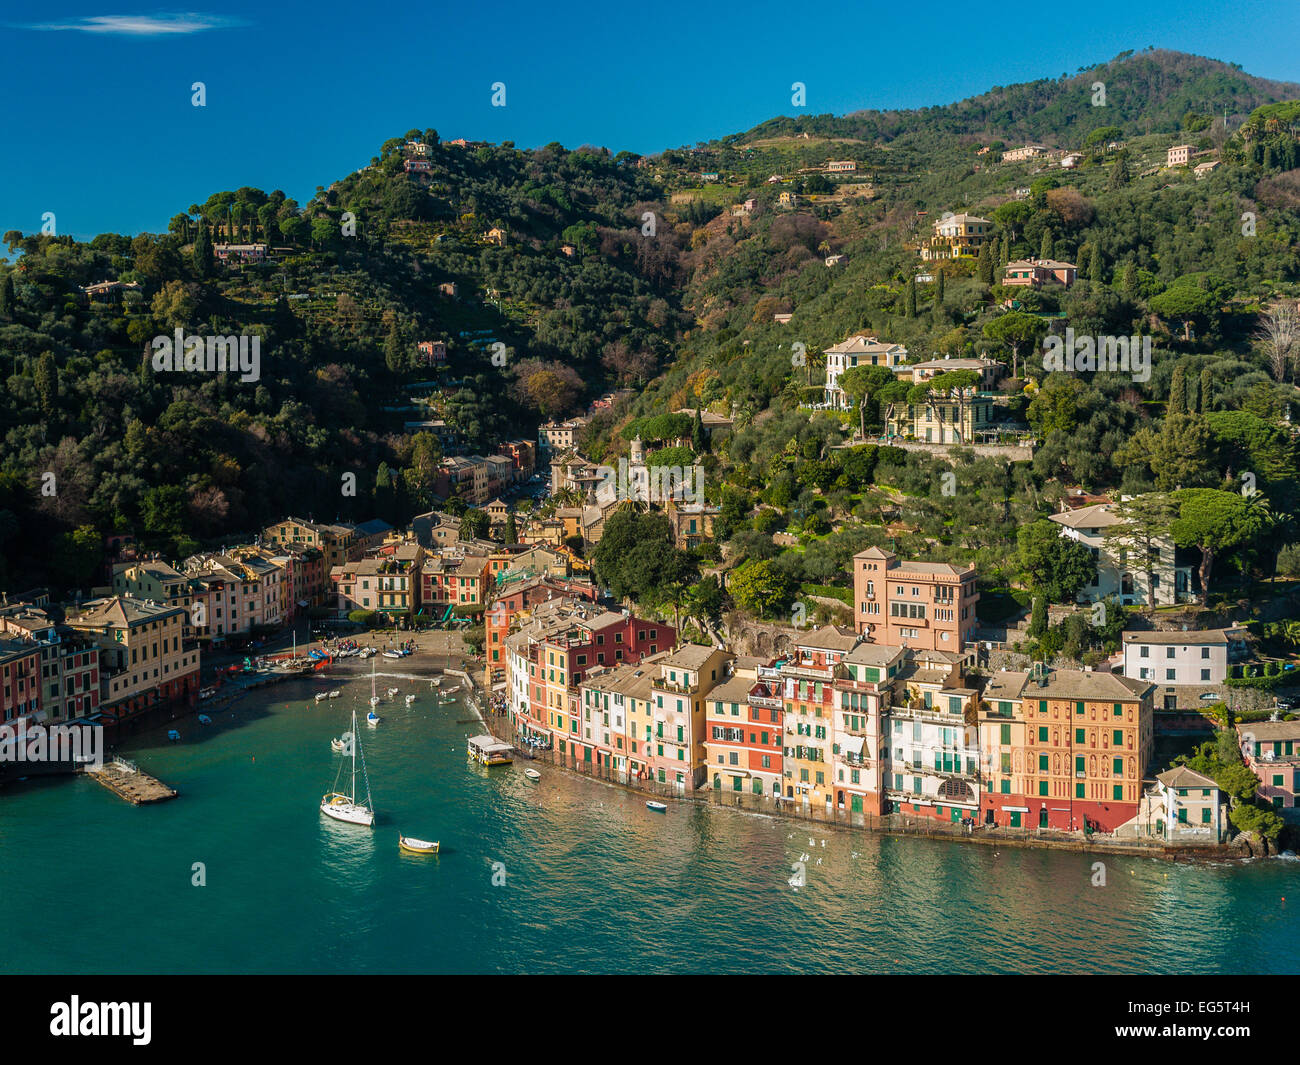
column 1078, row 736
column 1205, row 652
column 1042, row 733
column 1144, row 652
column 1117, row 792
column 1117, row 767
column 1169, row 652
column 1205, row 674
column 1042, row 763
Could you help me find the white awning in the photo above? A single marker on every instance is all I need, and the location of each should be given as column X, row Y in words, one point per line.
column 853, row 744
column 1016, row 809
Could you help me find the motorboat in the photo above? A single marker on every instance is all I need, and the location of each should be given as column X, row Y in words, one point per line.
column 372, row 719
column 338, row 745
column 410, row 699
column 410, row 845
column 173, row 735
column 204, row 719
column 335, row 693
column 391, row 654
column 321, row 696
column 392, row 691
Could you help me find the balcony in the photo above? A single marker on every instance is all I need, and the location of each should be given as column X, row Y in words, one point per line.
column 764, row 701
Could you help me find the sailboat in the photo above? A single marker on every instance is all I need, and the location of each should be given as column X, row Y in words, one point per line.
column 343, row 807
column 374, row 698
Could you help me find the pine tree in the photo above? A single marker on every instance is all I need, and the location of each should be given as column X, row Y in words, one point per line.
column 909, row 298
column 1177, row 392
column 984, row 265
column 1045, row 250
column 203, row 250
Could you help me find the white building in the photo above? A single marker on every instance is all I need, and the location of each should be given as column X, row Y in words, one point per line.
column 1120, row 573
column 1197, row 658
column 857, row 350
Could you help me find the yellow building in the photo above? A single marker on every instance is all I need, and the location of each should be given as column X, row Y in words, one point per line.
column 945, row 418
column 956, row 236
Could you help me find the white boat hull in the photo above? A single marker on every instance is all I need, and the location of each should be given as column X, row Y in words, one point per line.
column 349, row 812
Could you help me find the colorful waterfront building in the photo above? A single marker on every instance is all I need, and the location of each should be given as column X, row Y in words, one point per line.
column 744, row 737
column 513, row 598
column 808, row 722
column 1089, row 739
column 933, row 766
column 686, row 677
column 1271, row 750
column 615, row 703
column 556, row 646
column 144, row 659
column 1005, row 760
column 863, row 686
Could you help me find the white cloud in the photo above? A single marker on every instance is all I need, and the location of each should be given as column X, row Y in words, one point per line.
column 142, row 25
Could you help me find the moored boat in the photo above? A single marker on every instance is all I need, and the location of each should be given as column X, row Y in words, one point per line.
column 657, row 807
column 344, row 807
column 490, row 751
column 338, row 745
column 173, row 735
column 410, row 699
column 410, row 845
column 335, row 693
column 532, row 774
column 321, row 697
column 204, row 719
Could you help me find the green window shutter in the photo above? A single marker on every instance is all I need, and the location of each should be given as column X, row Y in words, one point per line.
column 1078, row 707
column 1078, row 764
column 1117, row 737
column 1005, row 734
column 1042, row 733
column 1042, row 787
column 1205, row 816
column 1119, row 709
column 1079, row 736
column 1117, row 767
column 1078, row 791
column 1118, row 792
column 1042, row 763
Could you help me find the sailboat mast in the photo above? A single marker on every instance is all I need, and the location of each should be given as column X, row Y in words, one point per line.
column 355, row 740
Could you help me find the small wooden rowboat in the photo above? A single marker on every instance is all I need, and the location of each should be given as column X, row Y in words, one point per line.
column 657, row 807
column 407, row 845
column 532, row 774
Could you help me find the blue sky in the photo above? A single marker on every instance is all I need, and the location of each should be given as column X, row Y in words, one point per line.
column 98, row 126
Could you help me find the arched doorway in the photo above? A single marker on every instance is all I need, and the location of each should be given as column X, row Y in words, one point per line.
column 1042, row 817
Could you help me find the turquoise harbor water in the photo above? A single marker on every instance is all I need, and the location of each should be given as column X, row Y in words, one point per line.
column 593, row 880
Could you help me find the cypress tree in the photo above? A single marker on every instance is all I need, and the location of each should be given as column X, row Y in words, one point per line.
column 1096, row 266
column 1004, row 256
column 1045, row 250
column 909, row 298
column 1130, row 279
column 984, row 266
column 7, row 297
column 203, row 250
column 1204, row 397
column 699, row 442
column 512, row 533
column 938, row 287
column 1177, row 392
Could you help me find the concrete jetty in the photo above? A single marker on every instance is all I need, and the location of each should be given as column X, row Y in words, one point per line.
column 125, row 779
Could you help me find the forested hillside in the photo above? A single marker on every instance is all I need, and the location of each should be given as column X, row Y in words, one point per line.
column 591, row 269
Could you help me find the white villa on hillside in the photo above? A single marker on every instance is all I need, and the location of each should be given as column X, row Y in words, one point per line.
column 858, row 350
column 1119, row 572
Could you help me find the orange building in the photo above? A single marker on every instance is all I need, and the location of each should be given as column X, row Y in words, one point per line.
column 927, row 606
